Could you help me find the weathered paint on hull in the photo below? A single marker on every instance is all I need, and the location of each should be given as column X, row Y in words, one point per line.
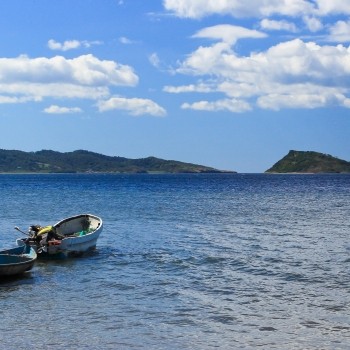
column 17, row 260
column 16, row 269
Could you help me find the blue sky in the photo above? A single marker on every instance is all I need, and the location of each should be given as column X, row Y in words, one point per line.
column 230, row 84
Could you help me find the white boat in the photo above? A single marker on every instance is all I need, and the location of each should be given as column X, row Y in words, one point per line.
column 80, row 234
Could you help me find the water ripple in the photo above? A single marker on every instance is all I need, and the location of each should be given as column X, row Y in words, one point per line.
column 185, row 262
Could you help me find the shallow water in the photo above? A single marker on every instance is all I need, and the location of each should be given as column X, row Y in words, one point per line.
column 184, row 262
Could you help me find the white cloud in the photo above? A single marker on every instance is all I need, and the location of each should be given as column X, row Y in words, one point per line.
column 231, row 105
column 297, row 61
column 124, row 40
column 292, row 74
column 134, row 106
column 82, row 77
column 83, row 70
column 54, row 109
column 202, row 88
column 239, row 89
column 256, row 8
column 340, row 32
column 313, row 23
column 346, row 102
column 228, row 33
column 299, row 99
column 154, row 60
column 22, row 99
column 206, row 60
column 252, row 8
column 65, row 46
column 38, row 91
column 70, row 44
column 157, row 63
column 268, row 24
column 330, row 7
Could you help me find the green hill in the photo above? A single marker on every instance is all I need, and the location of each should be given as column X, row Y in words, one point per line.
column 45, row 161
column 309, row 162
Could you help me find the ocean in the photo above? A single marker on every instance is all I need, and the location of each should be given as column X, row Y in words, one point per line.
column 190, row 261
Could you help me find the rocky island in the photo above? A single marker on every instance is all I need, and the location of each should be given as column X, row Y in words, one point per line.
column 80, row 161
column 309, row 162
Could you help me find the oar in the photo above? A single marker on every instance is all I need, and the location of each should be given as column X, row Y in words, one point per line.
column 18, row 229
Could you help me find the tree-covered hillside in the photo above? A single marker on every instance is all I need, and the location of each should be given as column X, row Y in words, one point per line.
column 46, row 161
column 309, row 162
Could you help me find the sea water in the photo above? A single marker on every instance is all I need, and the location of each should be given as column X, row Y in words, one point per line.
column 226, row 261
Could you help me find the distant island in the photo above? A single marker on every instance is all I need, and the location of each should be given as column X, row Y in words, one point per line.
column 309, row 162
column 81, row 161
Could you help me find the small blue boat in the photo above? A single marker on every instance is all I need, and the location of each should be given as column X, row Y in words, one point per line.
column 16, row 261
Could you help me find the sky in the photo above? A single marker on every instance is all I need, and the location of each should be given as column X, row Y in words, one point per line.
column 230, row 84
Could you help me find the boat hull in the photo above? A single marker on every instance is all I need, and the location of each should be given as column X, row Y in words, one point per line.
column 17, row 260
column 81, row 233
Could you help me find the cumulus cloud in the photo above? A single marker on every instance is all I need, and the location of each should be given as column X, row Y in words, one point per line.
column 327, row 7
column 255, row 8
column 25, row 79
column 312, row 23
column 134, row 106
column 340, row 32
column 83, row 70
column 54, row 109
column 70, row 44
column 211, row 59
column 291, row 74
column 82, row 77
column 301, row 99
column 268, row 24
column 67, row 45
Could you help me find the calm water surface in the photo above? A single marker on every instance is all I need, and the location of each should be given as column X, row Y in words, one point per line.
column 184, row 262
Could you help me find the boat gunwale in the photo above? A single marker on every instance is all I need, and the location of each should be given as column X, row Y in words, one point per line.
column 77, row 217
